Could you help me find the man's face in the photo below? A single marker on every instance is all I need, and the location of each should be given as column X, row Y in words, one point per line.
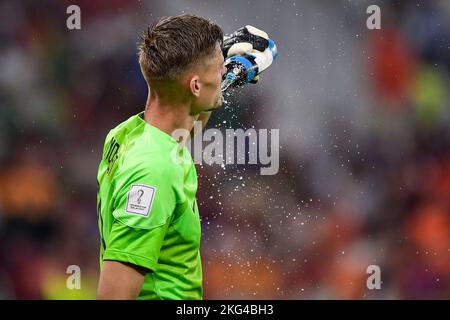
column 210, row 78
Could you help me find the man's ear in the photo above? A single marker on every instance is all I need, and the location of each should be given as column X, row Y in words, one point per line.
column 195, row 85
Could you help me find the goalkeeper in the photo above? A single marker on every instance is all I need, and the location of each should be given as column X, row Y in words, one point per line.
column 148, row 217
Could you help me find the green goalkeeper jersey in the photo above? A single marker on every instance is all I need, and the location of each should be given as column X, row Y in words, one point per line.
column 147, row 211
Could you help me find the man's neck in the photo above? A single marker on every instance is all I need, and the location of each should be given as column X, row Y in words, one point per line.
column 168, row 117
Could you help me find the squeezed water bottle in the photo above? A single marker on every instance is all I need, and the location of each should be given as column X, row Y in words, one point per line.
column 244, row 68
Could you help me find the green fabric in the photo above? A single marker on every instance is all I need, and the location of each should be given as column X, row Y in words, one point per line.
column 147, row 211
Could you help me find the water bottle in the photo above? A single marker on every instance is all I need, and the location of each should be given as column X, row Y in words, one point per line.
column 244, row 68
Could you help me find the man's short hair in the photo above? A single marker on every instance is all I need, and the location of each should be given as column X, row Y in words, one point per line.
column 171, row 44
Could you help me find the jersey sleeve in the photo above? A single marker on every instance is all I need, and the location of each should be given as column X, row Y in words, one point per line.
column 146, row 196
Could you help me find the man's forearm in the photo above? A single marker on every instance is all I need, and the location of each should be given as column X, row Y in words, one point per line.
column 119, row 281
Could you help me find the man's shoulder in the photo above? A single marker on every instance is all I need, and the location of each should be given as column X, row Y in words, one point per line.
column 144, row 158
column 143, row 152
column 124, row 128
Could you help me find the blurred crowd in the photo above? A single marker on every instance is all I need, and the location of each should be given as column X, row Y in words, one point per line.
column 364, row 120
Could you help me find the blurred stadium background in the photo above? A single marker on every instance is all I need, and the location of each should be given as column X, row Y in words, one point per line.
column 364, row 162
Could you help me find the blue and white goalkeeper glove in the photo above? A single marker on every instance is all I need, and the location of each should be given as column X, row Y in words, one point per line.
column 247, row 52
column 246, row 40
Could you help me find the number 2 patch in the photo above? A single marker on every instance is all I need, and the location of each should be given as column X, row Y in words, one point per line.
column 140, row 199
